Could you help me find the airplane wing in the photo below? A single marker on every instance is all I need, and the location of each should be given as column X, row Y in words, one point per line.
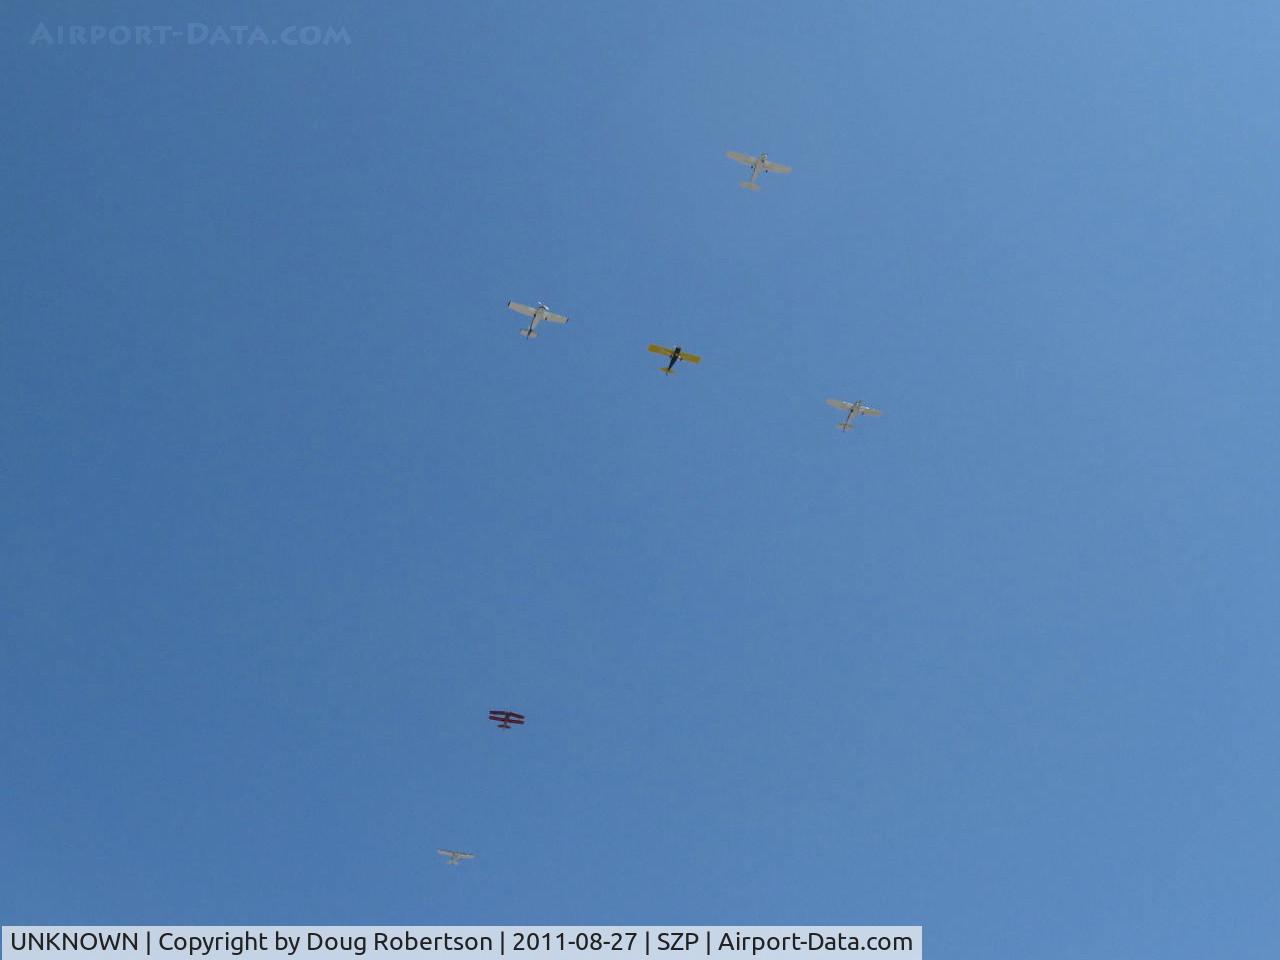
column 870, row 410
column 776, row 167
column 742, row 158
column 465, row 856
column 839, row 404
column 554, row 318
column 691, row 357
column 654, row 348
column 521, row 308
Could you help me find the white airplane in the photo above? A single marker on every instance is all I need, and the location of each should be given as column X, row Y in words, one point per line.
column 455, row 856
column 535, row 315
column 758, row 165
column 857, row 408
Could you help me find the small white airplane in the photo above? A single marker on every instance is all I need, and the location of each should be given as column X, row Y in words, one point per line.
column 535, row 315
column 758, row 165
column 455, row 856
column 857, row 408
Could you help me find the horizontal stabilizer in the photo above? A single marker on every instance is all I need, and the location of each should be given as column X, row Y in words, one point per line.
column 531, row 334
column 748, row 185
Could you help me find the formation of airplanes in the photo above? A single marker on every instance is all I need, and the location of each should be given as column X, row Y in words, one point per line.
column 677, row 353
column 761, row 164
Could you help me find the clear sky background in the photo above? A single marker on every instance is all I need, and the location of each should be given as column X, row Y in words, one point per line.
column 288, row 505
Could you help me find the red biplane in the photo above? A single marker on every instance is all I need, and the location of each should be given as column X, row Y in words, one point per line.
column 506, row 718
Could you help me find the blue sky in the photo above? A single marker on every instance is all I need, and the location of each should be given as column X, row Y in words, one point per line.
column 289, row 506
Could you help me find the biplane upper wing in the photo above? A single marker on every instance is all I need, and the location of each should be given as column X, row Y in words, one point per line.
column 654, row 348
column 776, row 167
column 521, row 308
column 742, row 158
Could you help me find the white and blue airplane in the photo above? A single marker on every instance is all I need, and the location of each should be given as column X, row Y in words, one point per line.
column 758, row 165
column 855, row 409
column 535, row 315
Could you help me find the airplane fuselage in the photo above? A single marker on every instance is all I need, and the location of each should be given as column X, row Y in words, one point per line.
column 539, row 313
column 675, row 355
column 858, row 407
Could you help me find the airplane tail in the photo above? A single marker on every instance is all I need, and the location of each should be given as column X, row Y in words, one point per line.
column 527, row 332
column 845, row 426
column 748, row 185
column 668, row 370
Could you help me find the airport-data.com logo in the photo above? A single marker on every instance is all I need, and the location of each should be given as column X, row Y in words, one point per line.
column 187, row 35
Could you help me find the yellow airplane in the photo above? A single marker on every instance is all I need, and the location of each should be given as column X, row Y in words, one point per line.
column 676, row 355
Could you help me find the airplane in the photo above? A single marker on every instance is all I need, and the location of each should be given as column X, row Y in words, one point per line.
column 854, row 409
column 758, row 164
column 455, row 856
column 676, row 355
column 535, row 314
column 506, row 718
